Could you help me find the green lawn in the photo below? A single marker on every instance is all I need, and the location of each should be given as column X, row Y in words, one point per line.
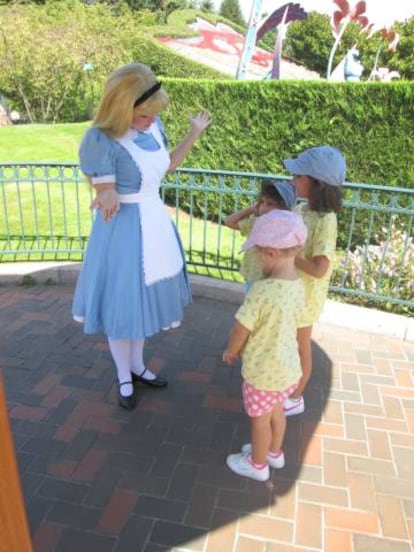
column 41, row 143
column 33, row 231
column 31, row 225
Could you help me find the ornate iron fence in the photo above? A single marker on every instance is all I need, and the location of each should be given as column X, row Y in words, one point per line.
column 45, row 215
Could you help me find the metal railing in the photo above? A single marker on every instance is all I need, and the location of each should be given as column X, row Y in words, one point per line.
column 45, row 215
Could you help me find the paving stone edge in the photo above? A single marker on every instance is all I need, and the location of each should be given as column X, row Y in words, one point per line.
column 339, row 314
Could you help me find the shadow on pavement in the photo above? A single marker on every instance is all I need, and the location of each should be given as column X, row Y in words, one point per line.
column 96, row 477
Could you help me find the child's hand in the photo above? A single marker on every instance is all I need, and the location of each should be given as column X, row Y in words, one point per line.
column 229, row 358
column 255, row 209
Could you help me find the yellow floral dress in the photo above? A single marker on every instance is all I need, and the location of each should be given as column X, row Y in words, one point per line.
column 250, row 267
column 322, row 234
column 270, row 311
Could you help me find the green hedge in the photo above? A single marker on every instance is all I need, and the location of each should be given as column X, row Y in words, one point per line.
column 164, row 61
column 257, row 124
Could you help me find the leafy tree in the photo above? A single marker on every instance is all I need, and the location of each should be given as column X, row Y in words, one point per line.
column 207, row 5
column 55, row 58
column 369, row 47
column 310, row 40
column 230, row 9
column 8, row 2
column 161, row 8
column 402, row 60
column 50, row 64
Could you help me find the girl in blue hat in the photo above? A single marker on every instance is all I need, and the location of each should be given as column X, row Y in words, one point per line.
column 273, row 195
column 319, row 173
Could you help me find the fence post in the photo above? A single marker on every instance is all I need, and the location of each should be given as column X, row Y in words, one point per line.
column 14, row 529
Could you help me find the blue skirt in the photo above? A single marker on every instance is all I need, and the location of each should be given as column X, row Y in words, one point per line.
column 111, row 296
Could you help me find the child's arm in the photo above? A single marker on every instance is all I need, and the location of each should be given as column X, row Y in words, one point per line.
column 232, row 221
column 237, row 340
column 315, row 266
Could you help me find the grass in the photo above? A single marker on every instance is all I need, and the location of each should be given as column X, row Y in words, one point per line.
column 41, row 143
column 33, row 231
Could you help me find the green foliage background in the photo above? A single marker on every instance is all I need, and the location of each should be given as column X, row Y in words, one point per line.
column 257, row 124
column 230, row 9
column 309, row 42
column 55, row 57
column 44, row 51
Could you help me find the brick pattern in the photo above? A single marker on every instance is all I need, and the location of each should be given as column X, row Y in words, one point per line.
column 96, row 477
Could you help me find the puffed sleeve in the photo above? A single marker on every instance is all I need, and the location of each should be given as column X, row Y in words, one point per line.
column 325, row 233
column 249, row 312
column 97, row 157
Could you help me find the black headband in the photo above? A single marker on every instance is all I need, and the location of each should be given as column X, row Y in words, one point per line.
column 150, row 92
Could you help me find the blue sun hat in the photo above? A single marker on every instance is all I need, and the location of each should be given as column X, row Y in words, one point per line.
column 287, row 192
column 324, row 163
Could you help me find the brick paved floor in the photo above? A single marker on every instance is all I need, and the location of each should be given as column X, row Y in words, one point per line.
column 97, row 478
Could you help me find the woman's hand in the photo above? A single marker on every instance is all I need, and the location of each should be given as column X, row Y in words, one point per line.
column 106, row 201
column 200, row 122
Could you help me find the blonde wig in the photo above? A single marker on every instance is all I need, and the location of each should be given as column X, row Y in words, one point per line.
column 123, row 87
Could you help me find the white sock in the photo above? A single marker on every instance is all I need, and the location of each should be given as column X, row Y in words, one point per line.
column 121, row 353
column 137, row 359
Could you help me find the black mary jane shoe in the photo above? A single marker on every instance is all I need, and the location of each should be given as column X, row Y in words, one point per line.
column 129, row 402
column 155, row 382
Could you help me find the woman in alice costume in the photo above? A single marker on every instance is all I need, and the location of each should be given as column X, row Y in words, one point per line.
column 133, row 282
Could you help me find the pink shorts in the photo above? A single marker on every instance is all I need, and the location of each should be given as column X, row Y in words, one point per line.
column 258, row 402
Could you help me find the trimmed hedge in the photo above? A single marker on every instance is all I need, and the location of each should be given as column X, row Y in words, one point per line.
column 165, row 61
column 257, row 124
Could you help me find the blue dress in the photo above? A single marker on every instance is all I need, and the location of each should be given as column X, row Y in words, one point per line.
column 113, row 295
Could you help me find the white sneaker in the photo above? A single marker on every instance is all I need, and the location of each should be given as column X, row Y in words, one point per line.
column 173, row 325
column 278, row 462
column 291, row 407
column 239, row 463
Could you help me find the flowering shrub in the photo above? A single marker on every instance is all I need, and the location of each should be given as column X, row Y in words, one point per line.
column 384, row 270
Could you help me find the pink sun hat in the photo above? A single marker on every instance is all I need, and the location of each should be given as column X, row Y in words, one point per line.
column 277, row 229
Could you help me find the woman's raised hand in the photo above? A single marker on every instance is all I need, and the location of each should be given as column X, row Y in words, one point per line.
column 200, row 121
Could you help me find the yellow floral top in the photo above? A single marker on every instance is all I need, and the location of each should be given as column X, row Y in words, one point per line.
column 250, row 267
column 270, row 311
column 322, row 233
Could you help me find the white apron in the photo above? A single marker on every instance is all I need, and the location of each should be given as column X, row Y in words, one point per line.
column 162, row 255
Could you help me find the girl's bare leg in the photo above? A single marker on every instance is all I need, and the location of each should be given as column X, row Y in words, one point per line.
column 261, row 437
column 305, row 353
column 278, row 428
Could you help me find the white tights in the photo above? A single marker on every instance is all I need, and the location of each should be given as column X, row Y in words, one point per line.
column 128, row 355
